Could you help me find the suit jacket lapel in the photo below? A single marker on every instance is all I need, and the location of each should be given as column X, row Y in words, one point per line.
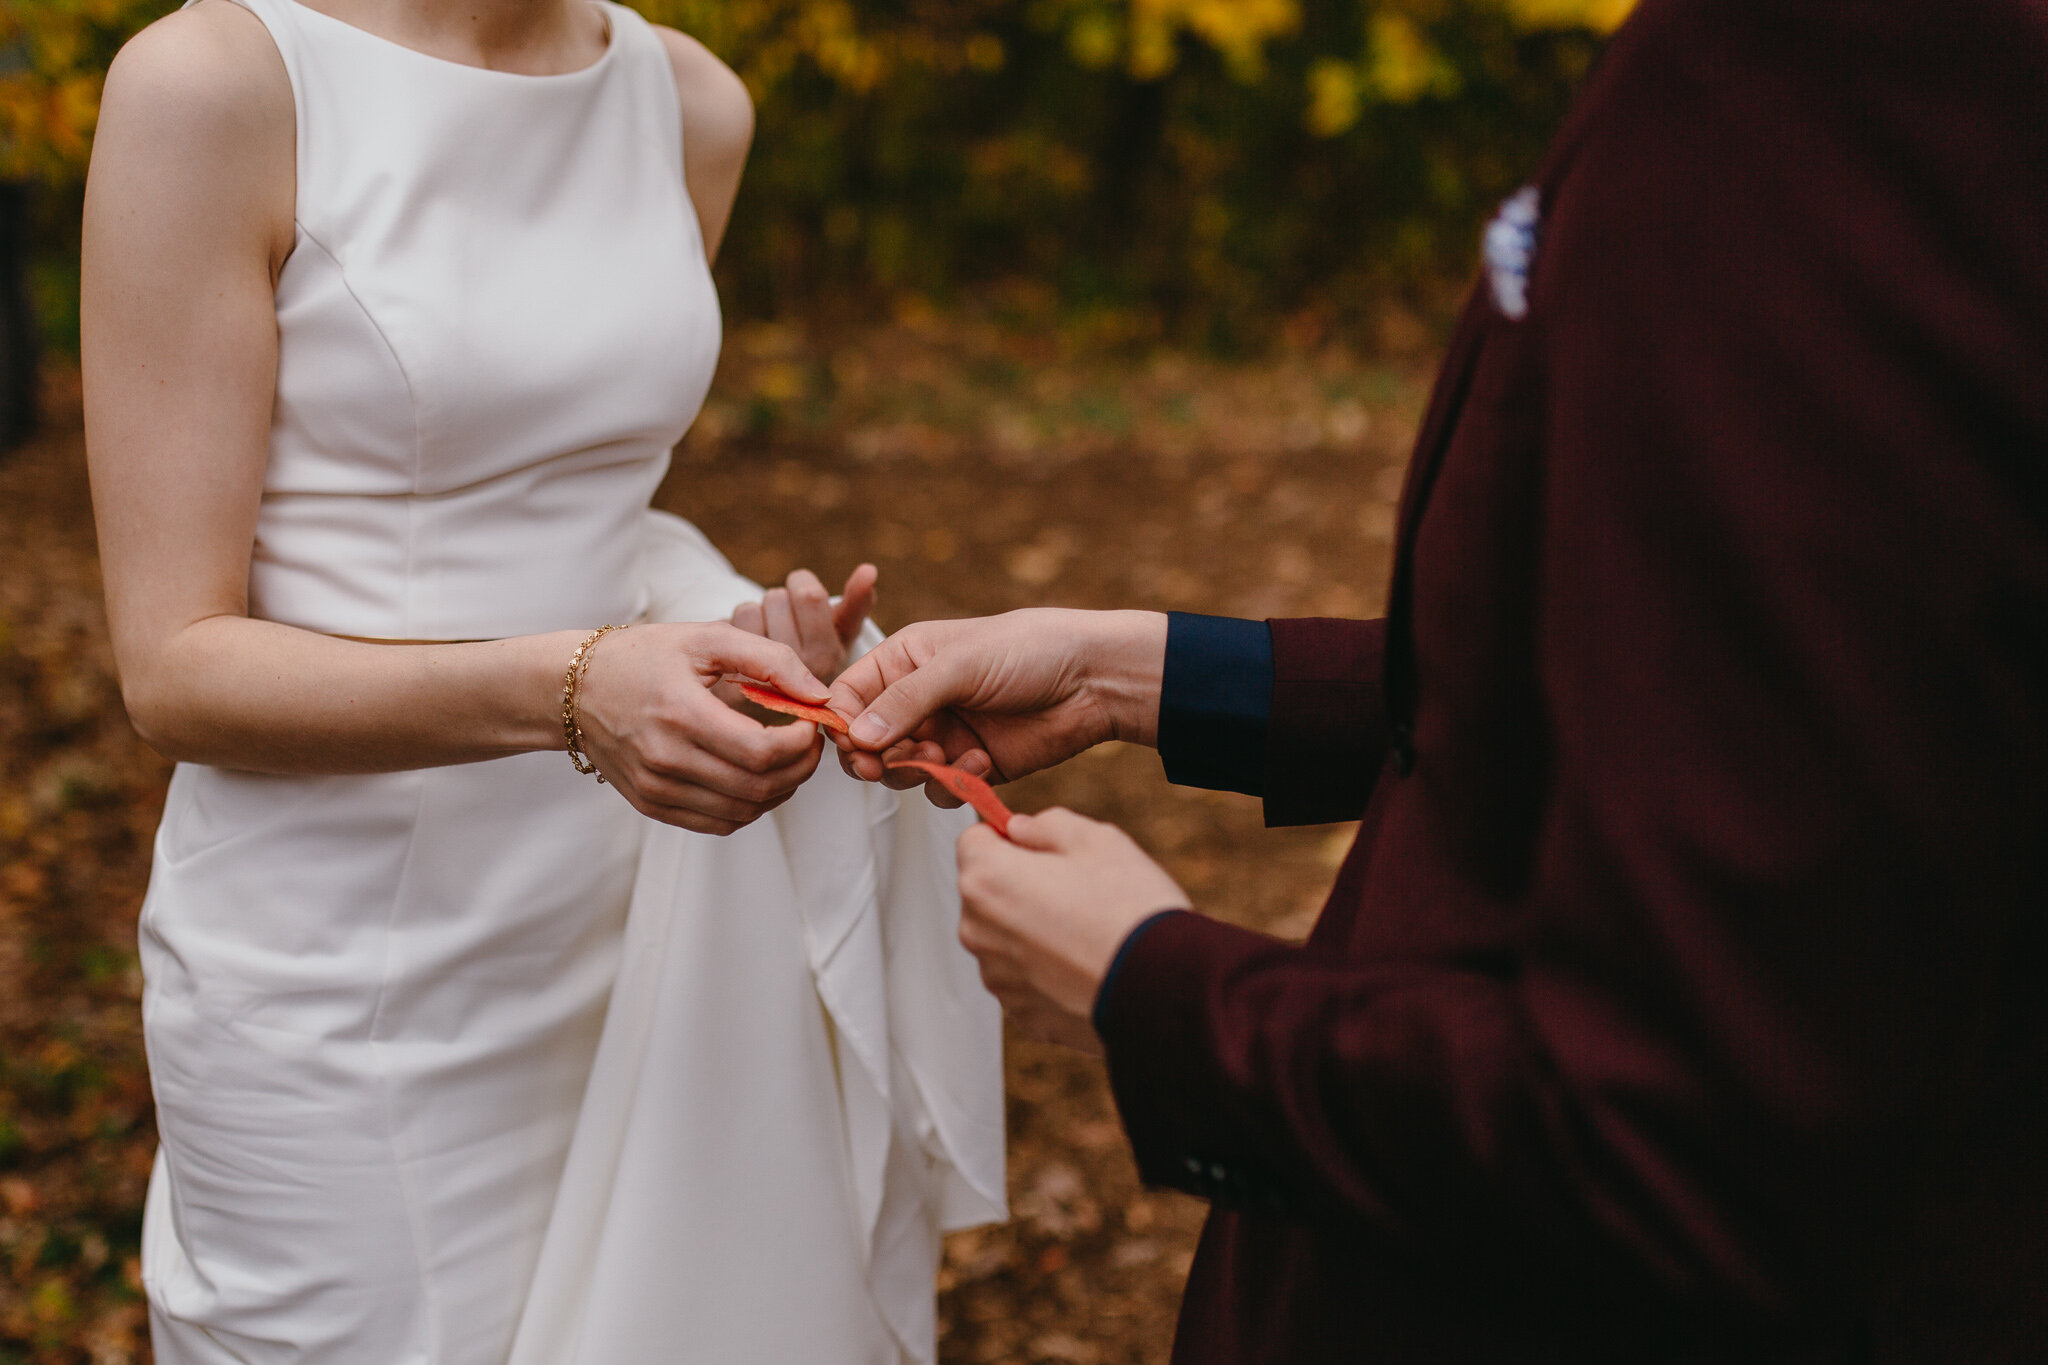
column 1441, row 421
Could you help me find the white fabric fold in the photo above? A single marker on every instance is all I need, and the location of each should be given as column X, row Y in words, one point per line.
column 799, row 1087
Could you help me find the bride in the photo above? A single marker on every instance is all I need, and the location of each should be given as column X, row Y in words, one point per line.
column 465, row 1050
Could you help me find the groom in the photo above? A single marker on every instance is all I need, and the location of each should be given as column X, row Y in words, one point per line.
column 1683, row 995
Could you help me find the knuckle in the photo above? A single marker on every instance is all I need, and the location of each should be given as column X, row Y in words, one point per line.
column 675, row 697
column 974, row 884
column 782, row 747
column 752, row 753
column 664, row 761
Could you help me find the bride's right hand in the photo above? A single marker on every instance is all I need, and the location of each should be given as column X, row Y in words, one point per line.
column 675, row 751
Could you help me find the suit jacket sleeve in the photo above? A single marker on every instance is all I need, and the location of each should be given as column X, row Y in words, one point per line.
column 1792, row 570
column 1327, row 736
column 1291, row 710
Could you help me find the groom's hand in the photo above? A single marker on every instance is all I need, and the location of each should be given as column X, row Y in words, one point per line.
column 1045, row 911
column 1002, row 696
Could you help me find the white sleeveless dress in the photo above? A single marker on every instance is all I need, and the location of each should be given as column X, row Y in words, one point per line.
column 413, row 1111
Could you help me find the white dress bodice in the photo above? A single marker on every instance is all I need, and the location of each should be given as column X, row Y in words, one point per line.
column 470, row 419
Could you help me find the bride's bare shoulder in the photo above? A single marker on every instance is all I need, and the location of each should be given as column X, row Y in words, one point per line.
column 197, row 129
column 210, row 72
column 718, row 113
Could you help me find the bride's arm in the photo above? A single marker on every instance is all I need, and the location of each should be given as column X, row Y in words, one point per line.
column 188, row 219
column 718, row 128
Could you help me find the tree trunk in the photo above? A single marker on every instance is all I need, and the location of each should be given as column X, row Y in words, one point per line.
column 18, row 341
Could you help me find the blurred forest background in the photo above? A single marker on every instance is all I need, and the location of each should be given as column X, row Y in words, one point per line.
column 1093, row 302
column 1195, row 170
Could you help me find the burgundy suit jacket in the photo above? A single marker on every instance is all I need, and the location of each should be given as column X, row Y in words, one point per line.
column 1683, row 996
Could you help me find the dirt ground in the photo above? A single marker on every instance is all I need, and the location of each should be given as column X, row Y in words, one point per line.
column 981, row 469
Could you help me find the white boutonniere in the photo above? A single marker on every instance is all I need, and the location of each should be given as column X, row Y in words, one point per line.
column 1510, row 249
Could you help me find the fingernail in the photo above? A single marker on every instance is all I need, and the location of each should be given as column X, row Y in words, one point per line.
column 870, row 729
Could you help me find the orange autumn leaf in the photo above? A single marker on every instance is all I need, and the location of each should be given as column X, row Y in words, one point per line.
column 968, row 788
column 789, row 706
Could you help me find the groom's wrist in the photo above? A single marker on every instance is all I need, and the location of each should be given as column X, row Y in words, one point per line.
column 1126, row 665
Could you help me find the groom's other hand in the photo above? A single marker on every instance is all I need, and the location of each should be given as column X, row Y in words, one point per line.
column 1002, row 696
column 1046, row 910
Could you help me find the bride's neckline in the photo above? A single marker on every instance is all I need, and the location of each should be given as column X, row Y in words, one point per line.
column 611, row 45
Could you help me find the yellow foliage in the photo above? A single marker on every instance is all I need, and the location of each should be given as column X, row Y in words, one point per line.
column 1402, row 65
column 52, row 51
column 767, row 40
column 1144, row 35
column 1335, row 97
column 52, row 1304
column 1237, row 29
column 1093, row 40
column 827, row 31
column 1601, row 16
column 1099, row 162
column 985, row 52
column 51, row 58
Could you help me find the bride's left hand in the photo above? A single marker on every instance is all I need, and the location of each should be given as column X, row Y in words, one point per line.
column 803, row 616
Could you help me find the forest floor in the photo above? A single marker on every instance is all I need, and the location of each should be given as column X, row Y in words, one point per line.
column 981, row 469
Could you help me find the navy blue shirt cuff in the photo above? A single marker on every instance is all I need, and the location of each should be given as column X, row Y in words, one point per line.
column 1213, row 702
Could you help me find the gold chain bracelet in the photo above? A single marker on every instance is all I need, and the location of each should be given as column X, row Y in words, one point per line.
column 572, row 687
